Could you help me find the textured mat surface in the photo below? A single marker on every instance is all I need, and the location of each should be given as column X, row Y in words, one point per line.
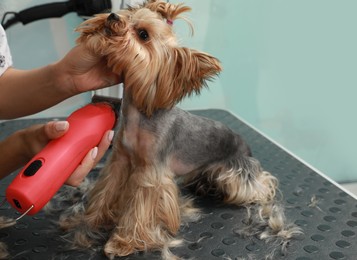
column 329, row 224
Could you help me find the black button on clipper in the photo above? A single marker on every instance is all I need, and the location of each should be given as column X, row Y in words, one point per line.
column 33, row 168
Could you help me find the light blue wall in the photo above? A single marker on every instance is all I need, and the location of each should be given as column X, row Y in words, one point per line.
column 290, row 70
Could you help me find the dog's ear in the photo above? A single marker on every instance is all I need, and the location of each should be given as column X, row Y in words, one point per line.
column 191, row 71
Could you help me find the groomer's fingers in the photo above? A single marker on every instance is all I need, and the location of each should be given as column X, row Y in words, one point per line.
column 83, row 169
column 52, row 130
column 36, row 137
column 104, row 144
column 90, row 160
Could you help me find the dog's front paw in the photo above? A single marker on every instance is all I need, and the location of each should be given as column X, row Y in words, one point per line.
column 118, row 247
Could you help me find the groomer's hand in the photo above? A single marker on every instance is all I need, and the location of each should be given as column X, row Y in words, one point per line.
column 36, row 137
column 81, row 70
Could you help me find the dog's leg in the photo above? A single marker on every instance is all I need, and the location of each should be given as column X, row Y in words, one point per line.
column 240, row 181
column 152, row 213
column 103, row 203
column 104, row 199
column 246, row 182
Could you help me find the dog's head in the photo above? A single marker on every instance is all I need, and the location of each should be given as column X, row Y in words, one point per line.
column 140, row 45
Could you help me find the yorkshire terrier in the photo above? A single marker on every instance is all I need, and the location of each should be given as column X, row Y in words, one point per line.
column 136, row 197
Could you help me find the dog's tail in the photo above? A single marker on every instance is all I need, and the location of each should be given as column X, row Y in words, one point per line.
column 241, row 181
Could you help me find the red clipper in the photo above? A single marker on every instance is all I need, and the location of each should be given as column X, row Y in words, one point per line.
column 47, row 171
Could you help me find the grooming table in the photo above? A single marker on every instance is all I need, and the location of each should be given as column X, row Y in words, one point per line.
column 326, row 213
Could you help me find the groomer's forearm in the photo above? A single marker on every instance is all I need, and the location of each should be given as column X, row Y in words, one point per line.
column 25, row 92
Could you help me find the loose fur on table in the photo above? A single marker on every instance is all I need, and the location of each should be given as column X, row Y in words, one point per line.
column 4, row 223
column 136, row 201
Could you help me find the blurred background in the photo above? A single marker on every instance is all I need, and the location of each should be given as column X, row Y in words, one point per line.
column 290, row 69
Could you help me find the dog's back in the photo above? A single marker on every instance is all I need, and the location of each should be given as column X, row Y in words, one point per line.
column 189, row 142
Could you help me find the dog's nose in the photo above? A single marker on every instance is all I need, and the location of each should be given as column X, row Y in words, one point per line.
column 113, row 17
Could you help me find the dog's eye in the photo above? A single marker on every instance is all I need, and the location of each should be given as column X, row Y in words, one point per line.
column 143, row 34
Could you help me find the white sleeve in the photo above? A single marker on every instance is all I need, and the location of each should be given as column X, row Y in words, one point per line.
column 5, row 55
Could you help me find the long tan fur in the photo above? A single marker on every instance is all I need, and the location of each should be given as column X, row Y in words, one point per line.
column 136, row 199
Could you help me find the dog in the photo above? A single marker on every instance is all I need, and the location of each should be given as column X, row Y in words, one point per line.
column 136, row 198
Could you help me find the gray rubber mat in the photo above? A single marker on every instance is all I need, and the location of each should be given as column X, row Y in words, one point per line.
column 329, row 224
